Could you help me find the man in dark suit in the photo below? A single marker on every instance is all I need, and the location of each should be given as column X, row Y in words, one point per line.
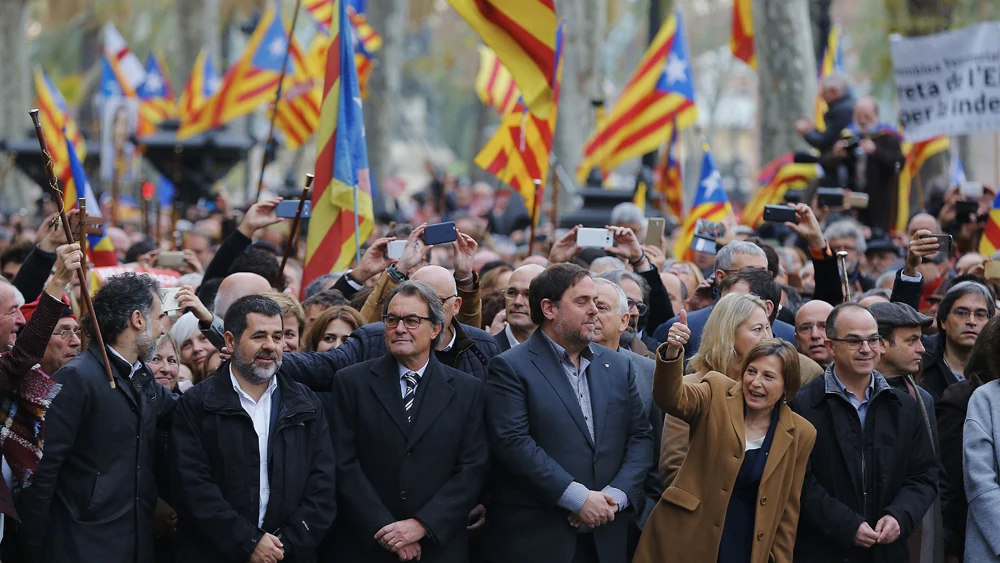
column 412, row 450
column 572, row 443
column 519, row 327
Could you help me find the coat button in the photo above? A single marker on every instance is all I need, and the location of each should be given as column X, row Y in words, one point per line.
column 760, row 536
column 402, row 495
column 763, row 501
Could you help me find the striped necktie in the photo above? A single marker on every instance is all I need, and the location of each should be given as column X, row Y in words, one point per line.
column 411, row 378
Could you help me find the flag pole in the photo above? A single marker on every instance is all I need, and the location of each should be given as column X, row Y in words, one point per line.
column 277, row 100
column 535, row 214
column 290, row 243
column 357, row 229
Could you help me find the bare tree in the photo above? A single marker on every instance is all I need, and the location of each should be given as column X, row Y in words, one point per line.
column 15, row 87
column 786, row 68
column 197, row 26
column 382, row 108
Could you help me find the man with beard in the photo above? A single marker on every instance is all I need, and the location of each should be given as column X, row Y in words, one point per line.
column 872, row 474
column 571, row 442
column 519, row 324
column 810, row 331
column 94, row 491
column 964, row 311
column 247, row 415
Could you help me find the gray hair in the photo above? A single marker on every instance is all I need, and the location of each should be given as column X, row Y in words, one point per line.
column 627, row 212
column 877, row 292
column 847, row 229
column 622, row 299
column 888, row 275
column 317, row 284
column 616, row 276
column 724, row 258
column 184, row 329
column 615, row 263
column 837, row 80
column 18, row 296
column 423, row 290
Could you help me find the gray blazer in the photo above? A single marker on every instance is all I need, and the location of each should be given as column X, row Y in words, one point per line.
column 982, row 481
column 653, row 486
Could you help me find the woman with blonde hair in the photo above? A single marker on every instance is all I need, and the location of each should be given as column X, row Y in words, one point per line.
column 739, row 508
column 331, row 328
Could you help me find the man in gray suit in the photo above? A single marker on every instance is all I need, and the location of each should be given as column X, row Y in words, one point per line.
column 571, row 439
column 612, row 321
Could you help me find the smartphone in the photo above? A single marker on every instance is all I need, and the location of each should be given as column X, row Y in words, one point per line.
column 288, row 208
column 829, row 197
column 170, row 259
column 169, row 298
column 600, row 238
column 963, row 209
column 779, row 214
column 971, row 189
column 440, row 233
column 654, row 230
column 793, row 196
column 856, row 201
column 703, row 244
column 395, row 249
column 993, row 270
column 944, row 248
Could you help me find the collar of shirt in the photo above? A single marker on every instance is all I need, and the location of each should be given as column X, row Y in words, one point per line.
column 267, row 393
column 561, row 353
column 838, row 387
column 403, row 370
column 510, row 336
column 454, row 336
column 135, row 367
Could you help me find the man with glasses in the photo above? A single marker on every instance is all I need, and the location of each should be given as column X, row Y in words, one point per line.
column 65, row 343
column 519, row 324
column 873, row 474
column 810, row 331
column 411, row 443
column 964, row 311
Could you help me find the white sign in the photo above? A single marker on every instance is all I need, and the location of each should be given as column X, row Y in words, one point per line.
column 948, row 83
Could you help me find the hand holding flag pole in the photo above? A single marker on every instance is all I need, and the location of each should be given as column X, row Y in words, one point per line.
column 290, row 243
column 277, row 100
column 58, row 196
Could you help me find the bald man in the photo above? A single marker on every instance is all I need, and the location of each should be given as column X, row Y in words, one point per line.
column 232, row 288
column 810, row 331
column 519, row 326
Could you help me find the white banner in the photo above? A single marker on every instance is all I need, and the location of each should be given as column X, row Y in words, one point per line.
column 948, row 83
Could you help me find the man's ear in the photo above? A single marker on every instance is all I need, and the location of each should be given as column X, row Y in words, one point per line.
column 230, row 339
column 137, row 320
column 549, row 308
column 625, row 320
column 770, row 307
column 719, row 276
column 458, row 306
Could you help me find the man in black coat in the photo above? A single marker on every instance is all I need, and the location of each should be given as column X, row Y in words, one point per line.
column 412, row 451
column 571, row 440
column 245, row 418
column 873, row 474
column 965, row 309
column 839, row 114
column 94, row 492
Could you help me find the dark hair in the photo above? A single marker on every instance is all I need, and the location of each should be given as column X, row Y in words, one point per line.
column 326, row 298
column 790, row 373
column 551, row 284
column 138, row 249
column 358, row 300
column 16, row 253
column 958, row 291
column 117, row 299
column 207, row 292
column 236, row 315
column 493, row 302
column 773, row 260
column 984, row 360
column 401, row 231
column 831, row 319
column 310, row 341
column 761, row 284
column 258, row 262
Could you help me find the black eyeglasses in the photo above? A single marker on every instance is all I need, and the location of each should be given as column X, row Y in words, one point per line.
column 512, row 293
column 63, row 333
column 857, row 343
column 639, row 305
column 409, row 321
column 445, row 299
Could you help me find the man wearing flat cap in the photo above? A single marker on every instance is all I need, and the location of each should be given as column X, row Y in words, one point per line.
column 901, row 327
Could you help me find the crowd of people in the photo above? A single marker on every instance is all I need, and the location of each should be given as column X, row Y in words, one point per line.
column 485, row 400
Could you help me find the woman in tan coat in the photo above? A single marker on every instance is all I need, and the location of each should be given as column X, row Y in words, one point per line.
column 736, row 496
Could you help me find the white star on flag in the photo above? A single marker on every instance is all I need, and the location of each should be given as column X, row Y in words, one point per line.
column 357, row 100
column 277, row 47
column 213, row 84
column 712, row 184
column 676, row 69
column 153, row 82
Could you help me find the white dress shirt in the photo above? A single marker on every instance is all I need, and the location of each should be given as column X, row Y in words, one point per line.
column 510, row 336
column 260, row 414
column 404, row 370
column 135, row 367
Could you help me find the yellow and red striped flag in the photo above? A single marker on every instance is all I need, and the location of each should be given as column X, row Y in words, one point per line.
column 494, row 84
column 917, row 155
column 59, row 126
column 201, row 86
column 156, row 96
column 990, row 240
column 523, row 35
column 342, row 211
column 741, row 42
column 249, row 83
column 659, row 93
column 710, row 203
column 518, row 153
column 777, row 177
column 298, row 112
column 833, row 62
column 364, row 34
column 668, row 178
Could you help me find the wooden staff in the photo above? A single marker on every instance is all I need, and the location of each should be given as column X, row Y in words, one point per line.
column 290, row 243
column 535, row 214
column 58, row 195
column 846, row 283
column 555, row 197
column 82, row 204
column 277, row 100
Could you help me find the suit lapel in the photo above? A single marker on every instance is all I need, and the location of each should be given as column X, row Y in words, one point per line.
column 433, row 395
column 783, row 437
column 599, row 384
column 544, row 359
column 385, row 385
column 734, row 399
